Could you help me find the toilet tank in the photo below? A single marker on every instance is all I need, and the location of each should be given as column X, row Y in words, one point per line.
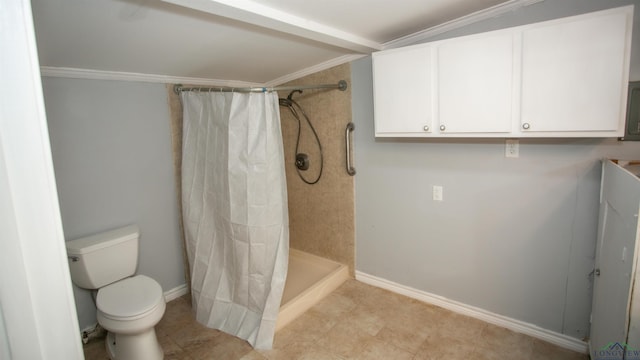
column 104, row 258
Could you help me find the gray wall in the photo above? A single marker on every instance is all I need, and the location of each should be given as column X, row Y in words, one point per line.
column 513, row 236
column 111, row 150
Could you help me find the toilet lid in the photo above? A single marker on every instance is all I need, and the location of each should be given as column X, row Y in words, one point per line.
column 129, row 297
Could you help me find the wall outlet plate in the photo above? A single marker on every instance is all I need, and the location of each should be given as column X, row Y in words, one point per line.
column 512, row 148
column 437, row 193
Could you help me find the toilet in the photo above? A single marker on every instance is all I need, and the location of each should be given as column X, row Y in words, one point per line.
column 129, row 306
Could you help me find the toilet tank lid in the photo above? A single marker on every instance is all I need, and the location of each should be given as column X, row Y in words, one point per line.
column 101, row 240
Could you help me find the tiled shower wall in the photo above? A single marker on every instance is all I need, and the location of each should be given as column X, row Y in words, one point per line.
column 321, row 216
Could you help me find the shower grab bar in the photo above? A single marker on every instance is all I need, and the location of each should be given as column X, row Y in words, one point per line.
column 347, row 138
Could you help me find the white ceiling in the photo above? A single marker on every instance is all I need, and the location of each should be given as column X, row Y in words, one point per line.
column 233, row 42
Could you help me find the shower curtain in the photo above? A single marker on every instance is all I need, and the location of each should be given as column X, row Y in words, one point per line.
column 234, row 199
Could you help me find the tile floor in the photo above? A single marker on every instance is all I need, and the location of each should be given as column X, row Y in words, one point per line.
column 357, row 321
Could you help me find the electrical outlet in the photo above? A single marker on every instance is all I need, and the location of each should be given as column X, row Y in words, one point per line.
column 437, row 193
column 512, row 148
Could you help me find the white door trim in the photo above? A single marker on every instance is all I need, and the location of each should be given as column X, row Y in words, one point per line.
column 38, row 317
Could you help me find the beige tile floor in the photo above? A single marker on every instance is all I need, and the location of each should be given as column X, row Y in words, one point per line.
column 357, row 321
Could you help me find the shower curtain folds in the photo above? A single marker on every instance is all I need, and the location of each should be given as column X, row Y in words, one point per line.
column 234, row 200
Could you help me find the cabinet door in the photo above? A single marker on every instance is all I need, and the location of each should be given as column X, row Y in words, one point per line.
column 574, row 75
column 475, row 81
column 617, row 231
column 402, row 91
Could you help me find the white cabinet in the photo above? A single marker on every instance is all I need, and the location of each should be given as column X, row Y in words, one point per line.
column 474, row 84
column 562, row 78
column 402, row 90
column 614, row 315
column 574, row 75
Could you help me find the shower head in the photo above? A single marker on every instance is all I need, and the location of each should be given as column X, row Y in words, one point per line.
column 293, row 92
column 285, row 102
column 289, row 101
column 302, row 162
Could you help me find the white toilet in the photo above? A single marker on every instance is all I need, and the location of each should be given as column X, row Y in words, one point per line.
column 128, row 306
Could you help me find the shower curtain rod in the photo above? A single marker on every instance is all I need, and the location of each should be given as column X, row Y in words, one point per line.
column 341, row 85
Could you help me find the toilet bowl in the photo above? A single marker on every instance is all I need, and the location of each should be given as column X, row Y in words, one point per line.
column 129, row 310
column 128, row 307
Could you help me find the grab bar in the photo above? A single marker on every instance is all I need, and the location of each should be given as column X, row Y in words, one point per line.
column 347, row 137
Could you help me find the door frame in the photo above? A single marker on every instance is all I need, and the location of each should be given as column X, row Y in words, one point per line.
column 37, row 310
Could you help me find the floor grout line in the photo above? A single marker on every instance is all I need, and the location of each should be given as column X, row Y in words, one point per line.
column 361, row 322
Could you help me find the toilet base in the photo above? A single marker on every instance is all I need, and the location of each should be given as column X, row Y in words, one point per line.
column 141, row 346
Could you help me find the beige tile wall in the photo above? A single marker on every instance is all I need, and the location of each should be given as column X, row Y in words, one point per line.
column 321, row 216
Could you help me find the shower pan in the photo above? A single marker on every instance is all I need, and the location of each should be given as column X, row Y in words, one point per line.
column 309, row 279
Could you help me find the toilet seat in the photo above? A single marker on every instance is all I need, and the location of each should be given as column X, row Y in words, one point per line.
column 130, row 299
column 130, row 306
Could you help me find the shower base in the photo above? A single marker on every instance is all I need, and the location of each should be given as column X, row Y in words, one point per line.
column 309, row 279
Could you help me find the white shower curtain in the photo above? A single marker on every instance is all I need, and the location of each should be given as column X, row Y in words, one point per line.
column 234, row 200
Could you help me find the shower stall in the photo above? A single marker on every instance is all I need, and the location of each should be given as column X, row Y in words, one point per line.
column 321, row 254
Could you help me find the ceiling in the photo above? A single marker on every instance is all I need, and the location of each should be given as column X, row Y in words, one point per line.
column 234, row 42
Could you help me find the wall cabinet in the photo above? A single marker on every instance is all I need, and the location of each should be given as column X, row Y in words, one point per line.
column 574, row 75
column 561, row 78
column 402, row 79
column 474, row 84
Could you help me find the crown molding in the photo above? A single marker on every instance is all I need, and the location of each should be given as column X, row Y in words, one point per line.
column 421, row 36
column 314, row 69
column 75, row 73
column 414, row 38
column 477, row 16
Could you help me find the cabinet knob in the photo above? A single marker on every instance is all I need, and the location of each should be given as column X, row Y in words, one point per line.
column 442, row 127
column 526, row 126
column 426, row 128
column 597, row 272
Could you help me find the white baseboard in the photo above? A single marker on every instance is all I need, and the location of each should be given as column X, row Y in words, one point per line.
column 176, row 292
column 522, row 327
